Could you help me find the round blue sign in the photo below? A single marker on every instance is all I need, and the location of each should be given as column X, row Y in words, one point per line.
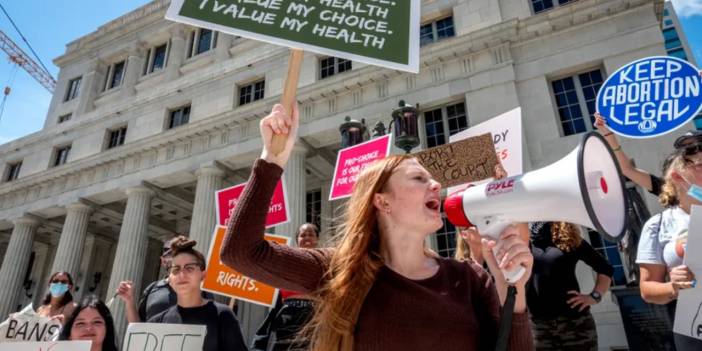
column 651, row 97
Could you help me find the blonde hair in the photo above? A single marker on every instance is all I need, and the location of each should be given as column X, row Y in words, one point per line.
column 565, row 236
column 675, row 162
column 462, row 252
column 354, row 264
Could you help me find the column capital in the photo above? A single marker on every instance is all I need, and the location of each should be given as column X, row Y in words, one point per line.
column 209, row 170
column 79, row 207
column 139, row 189
column 27, row 220
column 177, row 31
column 300, row 149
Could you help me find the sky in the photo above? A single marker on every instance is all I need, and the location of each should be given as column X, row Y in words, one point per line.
column 49, row 30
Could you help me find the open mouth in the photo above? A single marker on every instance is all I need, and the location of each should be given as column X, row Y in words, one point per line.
column 433, row 204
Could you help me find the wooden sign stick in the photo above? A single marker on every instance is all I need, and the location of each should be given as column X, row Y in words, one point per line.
column 289, row 96
column 232, row 303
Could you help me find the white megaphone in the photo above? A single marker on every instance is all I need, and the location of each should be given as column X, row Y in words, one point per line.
column 583, row 188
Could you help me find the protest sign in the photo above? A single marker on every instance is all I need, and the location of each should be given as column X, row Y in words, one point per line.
column 229, row 197
column 380, row 32
column 464, row 161
column 160, row 336
column 688, row 313
column 27, row 325
column 650, row 97
column 46, row 346
column 352, row 160
column 223, row 280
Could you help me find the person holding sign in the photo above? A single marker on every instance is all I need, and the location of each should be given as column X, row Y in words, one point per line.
column 662, row 243
column 186, row 273
column 284, row 323
column 380, row 288
column 58, row 302
column 91, row 321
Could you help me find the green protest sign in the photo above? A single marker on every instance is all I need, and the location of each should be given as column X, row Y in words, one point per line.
column 378, row 32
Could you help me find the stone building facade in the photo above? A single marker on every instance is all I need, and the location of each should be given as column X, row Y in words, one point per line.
column 150, row 117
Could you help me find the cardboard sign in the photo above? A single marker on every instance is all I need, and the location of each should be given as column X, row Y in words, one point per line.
column 223, row 280
column 46, row 346
column 159, row 336
column 352, row 160
column 229, row 197
column 464, row 161
column 688, row 314
column 651, row 97
column 378, row 32
column 27, row 325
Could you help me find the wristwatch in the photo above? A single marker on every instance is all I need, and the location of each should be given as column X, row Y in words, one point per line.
column 596, row 296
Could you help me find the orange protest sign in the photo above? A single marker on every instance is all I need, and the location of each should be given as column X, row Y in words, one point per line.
column 223, row 280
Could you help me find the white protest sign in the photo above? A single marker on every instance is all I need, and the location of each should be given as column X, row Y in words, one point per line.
column 158, row 337
column 27, row 325
column 46, row 346
column 688, row 313
column 506, row 130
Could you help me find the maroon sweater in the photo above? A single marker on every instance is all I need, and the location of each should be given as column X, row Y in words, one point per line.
column 456, row 309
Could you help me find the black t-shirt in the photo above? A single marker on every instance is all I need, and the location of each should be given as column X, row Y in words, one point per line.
column 223, row 331
column 554, row 273
column 656, row 185
column 158, row 297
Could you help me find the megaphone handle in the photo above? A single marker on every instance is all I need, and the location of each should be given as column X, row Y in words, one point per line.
column 493, row 229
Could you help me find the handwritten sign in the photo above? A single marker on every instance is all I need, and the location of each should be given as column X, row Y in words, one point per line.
column 688, row 314
column 651, row 97
column 352, row 160
column 27, row 325
column 47, row 346
column 221, row 279
column 464, row 161
column 229, row 197
column 377, row 32
column 158, row 336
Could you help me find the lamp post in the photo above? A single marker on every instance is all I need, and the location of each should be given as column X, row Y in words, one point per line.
column 353, row 132
column 405, row 119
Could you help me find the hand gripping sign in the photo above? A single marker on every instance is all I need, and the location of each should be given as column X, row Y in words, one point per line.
column 651, row 97
column 27, row 325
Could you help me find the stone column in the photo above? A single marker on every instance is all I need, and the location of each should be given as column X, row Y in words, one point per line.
column 327, row 214
column 134, row 67
column 209, row 180
column 89, row 87
column 14, row 265
column 131, row 249
column 72, row 242
column 295, row 184
column 176, row 53
column 224, row 43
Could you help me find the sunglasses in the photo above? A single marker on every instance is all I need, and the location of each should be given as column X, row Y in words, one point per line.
column 692, row 149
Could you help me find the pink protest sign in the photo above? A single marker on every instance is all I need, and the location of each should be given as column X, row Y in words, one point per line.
column 229, row 197
column 352, row 160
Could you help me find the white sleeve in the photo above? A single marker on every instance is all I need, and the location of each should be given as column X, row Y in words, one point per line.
column 650, row 250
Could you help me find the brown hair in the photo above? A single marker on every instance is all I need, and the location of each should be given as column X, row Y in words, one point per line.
column 462, row 249
column 354, row 265
column 182, row 245
column 566, row 236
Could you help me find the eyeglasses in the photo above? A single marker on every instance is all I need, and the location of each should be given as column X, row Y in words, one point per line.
column 58, row 281
column 188, row 268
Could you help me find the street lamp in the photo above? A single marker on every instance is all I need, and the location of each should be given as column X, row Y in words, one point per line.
column 353, row 132
column 405, row 119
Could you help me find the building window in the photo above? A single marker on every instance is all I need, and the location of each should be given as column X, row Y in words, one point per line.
column 61, row 155
column 201, row 40
column 446, row 239
column 544, row 5
column 434, row 31
column 668, row 23
column 116, row 137
column 156, row 59
column 440, row 122
column 575, row 98
column 179, row 117
column 115, row 75
column 64, row 118
column 13, row 170
column 73, row 89
column 314, row 207
column 611, row 253
column 330, row 66
column 252, row 92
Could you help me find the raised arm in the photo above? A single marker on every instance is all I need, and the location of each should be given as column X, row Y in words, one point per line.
column 244, row 247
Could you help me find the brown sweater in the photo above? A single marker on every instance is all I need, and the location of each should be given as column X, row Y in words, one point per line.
column 456, row 309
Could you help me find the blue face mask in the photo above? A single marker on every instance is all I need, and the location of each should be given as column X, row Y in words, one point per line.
column 58, row 289
column 695, row 192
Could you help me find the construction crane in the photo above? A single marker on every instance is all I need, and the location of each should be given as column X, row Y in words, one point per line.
column 19, row 57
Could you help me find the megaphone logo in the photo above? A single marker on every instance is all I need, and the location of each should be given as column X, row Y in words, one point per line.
column 583, row 188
